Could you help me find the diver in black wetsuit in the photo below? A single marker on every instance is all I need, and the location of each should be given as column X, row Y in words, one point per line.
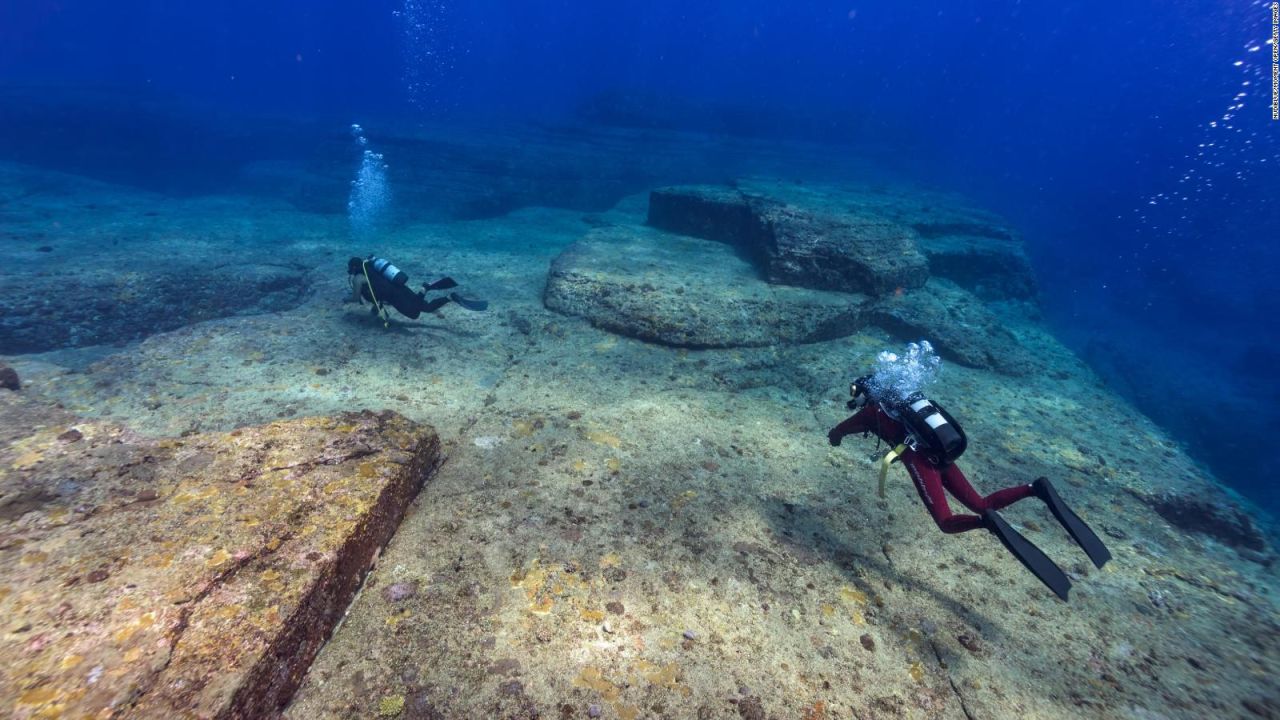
column 383, row 284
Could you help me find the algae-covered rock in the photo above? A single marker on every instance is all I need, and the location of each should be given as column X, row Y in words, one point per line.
column 46, row 311
column 867, row 239
column 1209, row 514
column 957, row 323
column 792, row 244
column 9, row 378
column 837, row 251
column 192, row 577
column 989, row 267
column 711, row 212
column 687, row 292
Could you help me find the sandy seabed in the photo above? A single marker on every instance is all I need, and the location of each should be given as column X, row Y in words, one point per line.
column 623, row 529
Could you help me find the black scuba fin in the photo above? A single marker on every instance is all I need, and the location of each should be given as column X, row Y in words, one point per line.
column 1028, row 554
column 1084, row 536
column 444, row 283
column 468, row 303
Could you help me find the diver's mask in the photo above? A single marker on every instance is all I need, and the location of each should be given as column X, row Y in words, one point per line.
column 859, row 393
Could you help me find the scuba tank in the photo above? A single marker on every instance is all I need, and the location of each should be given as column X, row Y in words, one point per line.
column 384, row 268
column 931, row 430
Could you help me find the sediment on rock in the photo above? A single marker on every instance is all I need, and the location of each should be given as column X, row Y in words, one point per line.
column 686, row 292
column 192, row 577
column 869, row 240
column 1215, row 517
column 957, row 323
column 41, row 312
column 794, row 245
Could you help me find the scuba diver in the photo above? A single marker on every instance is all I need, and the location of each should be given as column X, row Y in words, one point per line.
column 927, row 440
column 381, row 283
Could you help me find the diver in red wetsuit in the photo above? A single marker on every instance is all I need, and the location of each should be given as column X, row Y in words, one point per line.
column 928, row 440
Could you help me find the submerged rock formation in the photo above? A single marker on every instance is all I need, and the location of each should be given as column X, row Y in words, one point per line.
column 795, row 245
column 862, row 240
column 761, row 263
column 957, row 323
column 9, row 378
column 686, row 292
column 192, row 577
column 42, row 312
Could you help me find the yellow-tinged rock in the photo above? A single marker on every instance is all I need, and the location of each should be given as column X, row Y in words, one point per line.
column 854, row 595
column 603, row 438
column 593, row 679
column 26, row 460
column 218, row 558
column 34, row 558
column 197, row 564
column 683, row 499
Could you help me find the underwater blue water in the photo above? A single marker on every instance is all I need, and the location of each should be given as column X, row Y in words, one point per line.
column 1131, row 143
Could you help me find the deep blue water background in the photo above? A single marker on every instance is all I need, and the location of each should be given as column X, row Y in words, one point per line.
column 1065, row 117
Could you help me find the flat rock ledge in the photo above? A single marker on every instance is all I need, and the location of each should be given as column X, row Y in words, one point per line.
column 793, row 245
column 189, row 577
column 958, row 324
column 871, row 240
column 47, row 311
column 688, row 292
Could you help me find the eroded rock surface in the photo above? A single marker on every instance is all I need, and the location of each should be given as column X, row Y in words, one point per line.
column 957, row 323
column 688, row 292
column 48, row 310
column 192, row 577
column 795, row 245
column 865, row 239
column 1209, row 514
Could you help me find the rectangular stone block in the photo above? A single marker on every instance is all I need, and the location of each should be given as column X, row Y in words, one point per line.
column 186, row 578
column 708, row 212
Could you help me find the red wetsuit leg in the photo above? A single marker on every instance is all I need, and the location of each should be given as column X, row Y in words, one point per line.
column 955, row 481
column 928, row 481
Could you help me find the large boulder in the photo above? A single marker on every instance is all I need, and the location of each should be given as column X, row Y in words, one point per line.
column 793, row 244
column 871, row 239
column 957, row 323
column 991, row 268
column 836, row 251
column 687, row 292
column 970, row 246
column 192, row 577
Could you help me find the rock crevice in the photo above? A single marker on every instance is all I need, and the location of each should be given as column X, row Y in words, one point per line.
column 193, row 577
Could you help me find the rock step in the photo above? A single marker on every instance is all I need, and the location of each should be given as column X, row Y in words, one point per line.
column 40, row 312
column 856, row 239
column 793, row 245
column 687, row 292
column 191, row 577
column 959, row 325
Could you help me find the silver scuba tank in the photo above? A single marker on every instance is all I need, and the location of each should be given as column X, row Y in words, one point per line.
column 392, row 273
column 931, row 430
